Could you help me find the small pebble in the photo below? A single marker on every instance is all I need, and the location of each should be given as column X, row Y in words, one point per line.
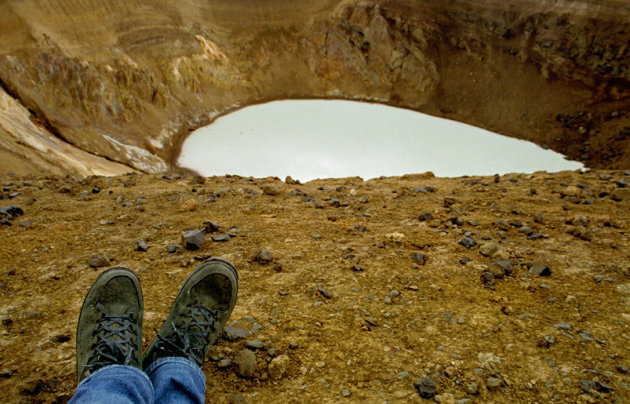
column 263, row 257
column 471, row 388
column 254, row 344
column 467, row 242
column 426, row 386
column 141, row 245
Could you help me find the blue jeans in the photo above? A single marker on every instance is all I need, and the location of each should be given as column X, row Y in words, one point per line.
column 167, row 380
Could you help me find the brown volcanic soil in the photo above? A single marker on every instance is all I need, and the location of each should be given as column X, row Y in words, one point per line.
column 364, row 335
column 127, row 82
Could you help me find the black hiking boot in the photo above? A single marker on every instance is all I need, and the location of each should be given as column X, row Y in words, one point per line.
column 199, row 313
column 109, row 331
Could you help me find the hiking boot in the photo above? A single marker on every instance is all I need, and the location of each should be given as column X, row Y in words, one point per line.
column 109, row 331
column 199, row 313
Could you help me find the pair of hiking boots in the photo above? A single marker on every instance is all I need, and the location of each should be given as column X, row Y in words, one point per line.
column 109, row 331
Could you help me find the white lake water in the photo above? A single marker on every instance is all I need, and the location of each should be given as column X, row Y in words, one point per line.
column 309, row 139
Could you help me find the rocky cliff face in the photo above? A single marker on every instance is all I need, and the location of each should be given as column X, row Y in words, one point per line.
column 128, row 81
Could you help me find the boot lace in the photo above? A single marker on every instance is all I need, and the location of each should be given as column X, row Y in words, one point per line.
column 115, row 345
column 190, row 340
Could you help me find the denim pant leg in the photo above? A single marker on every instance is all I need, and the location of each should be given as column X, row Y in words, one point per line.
column 115, row 384
column 177, row 380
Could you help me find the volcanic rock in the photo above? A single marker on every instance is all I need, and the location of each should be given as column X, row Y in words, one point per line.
column 193, row 239
column 246, row 362
column 426, row 387
column 540, row 269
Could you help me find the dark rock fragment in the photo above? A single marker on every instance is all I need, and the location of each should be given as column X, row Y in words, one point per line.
column 449, row 200
column 502, row 224
column 526, row 230
column 210, row 227
column 426, row 387
column 603, row 387
column 221, row 237
column 11, row 211
column 263, row 257
column 98, row 261
column 254, row 344
column 586, row 335
column 325, row 292
column 502, row 267
column 419, row 258
column 456, row 220
column 488, row 280
column 494, row 382
column 424, row 216
column 540, row 269
column 32, row 387
column 467, row 242
column 193, row 239
column 546, row 341
column 587, row 386
column 243, row 328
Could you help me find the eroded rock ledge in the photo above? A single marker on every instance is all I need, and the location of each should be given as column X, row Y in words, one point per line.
column 129, row 81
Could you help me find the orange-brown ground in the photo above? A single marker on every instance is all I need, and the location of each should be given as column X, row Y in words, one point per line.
column 440, row 322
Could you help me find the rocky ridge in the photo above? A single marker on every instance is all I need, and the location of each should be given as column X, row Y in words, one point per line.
column 128, row 82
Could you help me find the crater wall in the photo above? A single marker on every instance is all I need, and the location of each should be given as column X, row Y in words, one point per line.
column 127, row 81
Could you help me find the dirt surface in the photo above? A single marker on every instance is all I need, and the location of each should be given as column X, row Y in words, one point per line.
column 358, row 315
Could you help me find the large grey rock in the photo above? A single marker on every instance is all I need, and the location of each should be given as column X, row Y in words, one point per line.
column 193, row 239
column 246, row 362
column 243, row 328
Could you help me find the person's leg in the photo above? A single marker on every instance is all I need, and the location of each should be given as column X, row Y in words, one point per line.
column 174, row 358
column 115, row 384
column 177, row 380
column 109, row 342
